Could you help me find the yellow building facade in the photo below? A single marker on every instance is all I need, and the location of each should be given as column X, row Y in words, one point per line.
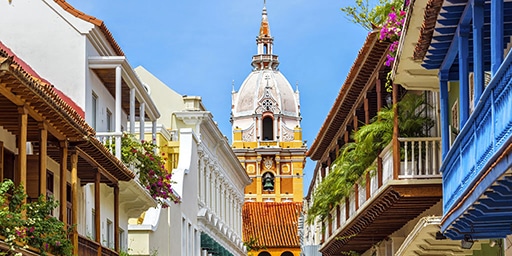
column 267, row 139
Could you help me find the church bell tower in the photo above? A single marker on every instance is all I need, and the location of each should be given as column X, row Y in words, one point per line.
column 267, row 136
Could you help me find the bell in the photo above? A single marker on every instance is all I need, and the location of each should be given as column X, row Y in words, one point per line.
column 268, row 184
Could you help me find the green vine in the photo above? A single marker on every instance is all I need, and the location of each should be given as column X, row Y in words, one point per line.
column 356, row 157
column 31, row 224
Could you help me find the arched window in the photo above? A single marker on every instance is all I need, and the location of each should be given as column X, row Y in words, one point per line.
column 268, row 128
column 264, row 254
column 286, row 254
column 265, row 49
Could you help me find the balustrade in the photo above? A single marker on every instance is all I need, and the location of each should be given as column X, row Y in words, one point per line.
column 109, row 139
column 421, row 159
column 87, row 247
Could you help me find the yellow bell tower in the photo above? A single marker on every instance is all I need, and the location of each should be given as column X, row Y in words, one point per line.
column 267, row 137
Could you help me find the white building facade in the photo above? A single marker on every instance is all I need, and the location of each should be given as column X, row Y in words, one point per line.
column 209, row 179
column 79, row 55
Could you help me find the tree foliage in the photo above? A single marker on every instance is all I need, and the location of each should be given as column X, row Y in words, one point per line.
column 356, row 157
column 369, row 14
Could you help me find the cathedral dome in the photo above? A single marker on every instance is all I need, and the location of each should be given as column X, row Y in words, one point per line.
column 266, row 107
column 266, row 90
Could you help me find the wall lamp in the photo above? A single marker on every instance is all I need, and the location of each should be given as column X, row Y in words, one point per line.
column 467, row 242
column 440, row 236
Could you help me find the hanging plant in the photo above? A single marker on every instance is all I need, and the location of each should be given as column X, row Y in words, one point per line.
column 369, row 140
column 150, row 167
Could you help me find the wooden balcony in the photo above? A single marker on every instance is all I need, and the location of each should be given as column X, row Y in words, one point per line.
column 477, row 180
column 87, row 247
column 384, row 200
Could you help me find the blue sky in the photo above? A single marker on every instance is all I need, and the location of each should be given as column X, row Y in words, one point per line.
column 198, row 47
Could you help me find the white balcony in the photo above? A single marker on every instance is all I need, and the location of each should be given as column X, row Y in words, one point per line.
column 383, row 200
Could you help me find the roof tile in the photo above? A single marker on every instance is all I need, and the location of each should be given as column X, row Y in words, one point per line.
column 427, row 28
column 108, row 35
column 272, row 224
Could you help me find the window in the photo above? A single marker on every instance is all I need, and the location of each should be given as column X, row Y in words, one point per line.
column 109, row 120
column 454, row 129
column 69, row 207
column 122, row 240
column 184, row 236
column 49, row 183
column 110, row 234
column 265, row 49
column 93, row 226
column 268, row 128
column 9, row 160
column 264, row 254
column 94, row 110
column 286, row 254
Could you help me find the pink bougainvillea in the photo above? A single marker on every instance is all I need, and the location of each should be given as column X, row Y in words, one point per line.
column 391, row 31
column 150, row 167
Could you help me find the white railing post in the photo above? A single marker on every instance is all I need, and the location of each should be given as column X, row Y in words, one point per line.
column 421, row 157
column 118, row 111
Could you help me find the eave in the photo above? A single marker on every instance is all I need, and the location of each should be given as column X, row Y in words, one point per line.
column 367, row 63
column 407, row 71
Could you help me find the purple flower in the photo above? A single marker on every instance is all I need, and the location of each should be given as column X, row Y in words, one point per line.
column 389, row 60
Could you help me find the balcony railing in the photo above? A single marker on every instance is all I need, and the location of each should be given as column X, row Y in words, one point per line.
column 485, row 135
column 421, row 159
column 264, row 58
column 110, row 139
column 87, row 247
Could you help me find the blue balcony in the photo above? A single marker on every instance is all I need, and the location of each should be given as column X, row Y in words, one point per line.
column 471, row 36
column 477, row 181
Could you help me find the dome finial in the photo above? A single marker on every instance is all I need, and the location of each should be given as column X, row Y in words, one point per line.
column 264, row 29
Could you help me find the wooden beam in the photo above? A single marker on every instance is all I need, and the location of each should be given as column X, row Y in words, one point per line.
column 366, row 112
column 30, row 111
column 355, row 123
column 63, row 181
column 116, row 218
column 101, row 169
column 379, row 172
column 1, row 161
column 74, row 199
column 22, row 146
column 347, row 209
column 396, row 143
column 368, row 186
column 97, row 208
column 43, row 148
column 378, row 88
column 356, row 195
